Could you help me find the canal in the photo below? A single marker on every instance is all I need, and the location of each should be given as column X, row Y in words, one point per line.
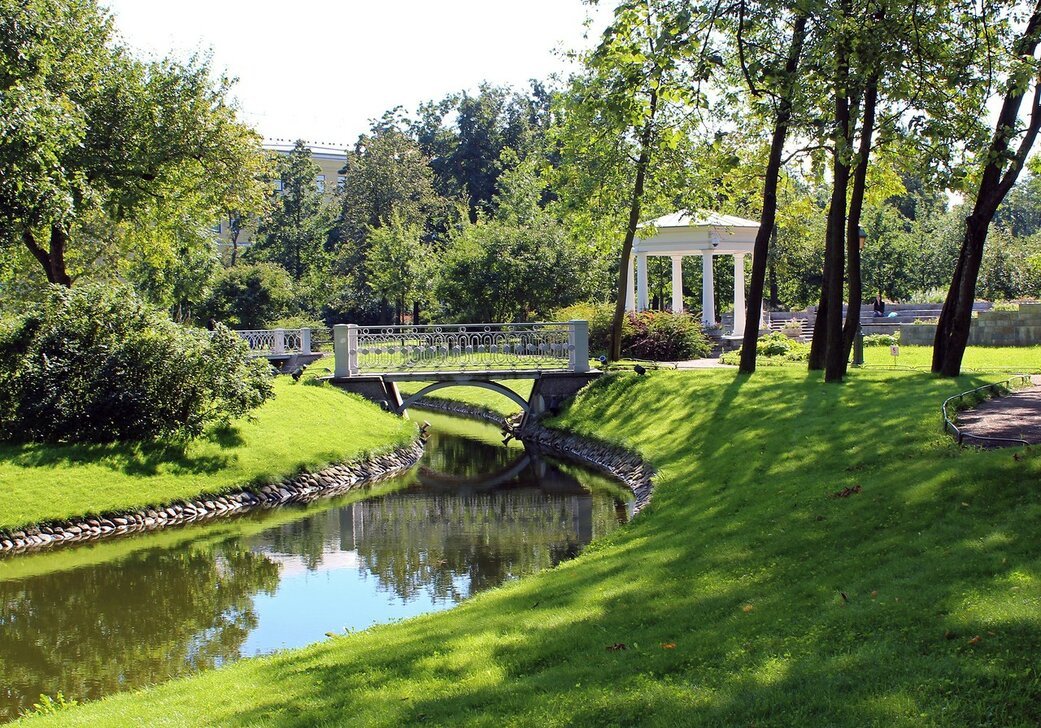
column 94, row 619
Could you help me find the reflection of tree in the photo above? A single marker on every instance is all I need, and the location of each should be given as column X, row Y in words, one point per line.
column 465, row 457
column 454, row 546
column 119, row 625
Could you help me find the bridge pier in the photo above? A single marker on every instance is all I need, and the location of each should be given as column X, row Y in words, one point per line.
column 374, row 388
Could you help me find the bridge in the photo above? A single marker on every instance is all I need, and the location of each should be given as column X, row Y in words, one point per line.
column 371, row 360
column 286, row 349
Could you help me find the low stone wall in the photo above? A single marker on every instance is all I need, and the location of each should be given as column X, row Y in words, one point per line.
column 989, row 328
column 301, row 488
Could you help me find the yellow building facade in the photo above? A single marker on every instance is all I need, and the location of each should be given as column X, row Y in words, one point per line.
column 330, row 160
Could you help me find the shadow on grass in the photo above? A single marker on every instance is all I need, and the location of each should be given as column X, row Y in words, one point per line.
column 141, row 459
column 747, row 592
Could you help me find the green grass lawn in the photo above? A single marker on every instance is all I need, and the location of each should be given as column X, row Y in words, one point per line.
column 1018, row 359
column 746, row 593
column 303, row 427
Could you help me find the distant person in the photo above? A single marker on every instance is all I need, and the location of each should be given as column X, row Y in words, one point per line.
column 879, row 306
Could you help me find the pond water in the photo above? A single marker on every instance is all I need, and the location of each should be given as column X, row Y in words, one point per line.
column 95, row 619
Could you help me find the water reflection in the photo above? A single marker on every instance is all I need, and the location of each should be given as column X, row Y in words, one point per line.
column 93, row 620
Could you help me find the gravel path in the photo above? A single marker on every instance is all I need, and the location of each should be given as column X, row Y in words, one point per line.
column 1016, row 415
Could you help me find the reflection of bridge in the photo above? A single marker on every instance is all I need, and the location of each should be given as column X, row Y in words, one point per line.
column 370, row 360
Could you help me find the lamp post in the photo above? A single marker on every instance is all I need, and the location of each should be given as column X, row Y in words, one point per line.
column 858, row 342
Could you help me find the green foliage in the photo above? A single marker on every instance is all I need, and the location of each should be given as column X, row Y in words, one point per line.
column 599, row 316
column 665, row 336
column 882, row 339
column 399, row 262
column 50, row 706
column 297, row 224
column 774, row 348
column 249, row 296
column 517, row 266
column 106, row 159
column 95, row 364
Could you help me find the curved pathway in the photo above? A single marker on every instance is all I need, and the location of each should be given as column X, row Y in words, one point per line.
column 1016, row 415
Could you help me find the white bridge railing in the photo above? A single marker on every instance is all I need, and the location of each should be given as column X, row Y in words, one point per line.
column 562, row 346
column 276, row 342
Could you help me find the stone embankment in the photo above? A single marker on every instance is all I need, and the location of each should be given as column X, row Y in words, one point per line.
column 614, row 461
column 301, row 488
column 621, row 464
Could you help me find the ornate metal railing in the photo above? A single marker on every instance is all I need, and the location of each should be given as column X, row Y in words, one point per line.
column 277, row 342
column 952, row 405
column 461, row 348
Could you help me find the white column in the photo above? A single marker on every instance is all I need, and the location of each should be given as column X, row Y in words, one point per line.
column 708, row 290
column 677, row 283
column 739, row 293
column 630, row 287
column 641, row 281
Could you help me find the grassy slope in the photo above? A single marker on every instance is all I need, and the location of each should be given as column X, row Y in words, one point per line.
column 302, row 427
column 727, row 591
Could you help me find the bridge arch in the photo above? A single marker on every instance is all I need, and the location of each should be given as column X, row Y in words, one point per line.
column 493, row 386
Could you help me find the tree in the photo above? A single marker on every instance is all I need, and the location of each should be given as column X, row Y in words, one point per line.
column 784, row 97
column 1001, row 167
column 386, row 174
column 400, row 265
column 622, row 113
column 249, row 296
column 297, row 225
column 518, row 265
column 90, row 129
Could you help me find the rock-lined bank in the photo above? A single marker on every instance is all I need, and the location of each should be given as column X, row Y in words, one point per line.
column 620, row 464
column 301, row 488
column 616, row 462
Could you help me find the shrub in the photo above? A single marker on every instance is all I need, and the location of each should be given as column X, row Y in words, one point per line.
column 249, row 296
column 96, row 364
column 599, row 316
column 774, row 348
column 882, row 339
column 665, row 336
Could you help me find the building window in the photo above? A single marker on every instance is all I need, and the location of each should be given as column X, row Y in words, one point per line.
column 320, row 181
column 341, row 181
column 217, row 228
column 278, row 185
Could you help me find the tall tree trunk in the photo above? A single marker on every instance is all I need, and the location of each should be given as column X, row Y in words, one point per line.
column 952, row 330
column 826, row 348
column 761, row 248
column 415, row 312
column 856, row 207
column 52, row 260
column 646, row 136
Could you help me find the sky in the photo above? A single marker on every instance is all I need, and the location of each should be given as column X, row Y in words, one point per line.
column 319, row 70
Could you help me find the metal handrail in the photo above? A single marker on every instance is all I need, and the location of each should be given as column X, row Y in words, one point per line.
column 994, row 390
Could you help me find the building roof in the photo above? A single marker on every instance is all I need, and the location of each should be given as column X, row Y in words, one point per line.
column 700, row 218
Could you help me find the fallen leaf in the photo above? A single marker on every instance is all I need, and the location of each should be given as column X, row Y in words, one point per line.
column 747, row 608
column 616, row 646
column 949, row 635
column 668, row 645
column 874, row 595
column 975, row 640
column 844, row 597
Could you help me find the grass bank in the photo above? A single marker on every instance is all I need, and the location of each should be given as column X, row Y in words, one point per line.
column 812, row 555
column 303, row 427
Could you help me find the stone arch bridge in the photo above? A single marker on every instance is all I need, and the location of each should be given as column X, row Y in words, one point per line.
column 371, row 360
